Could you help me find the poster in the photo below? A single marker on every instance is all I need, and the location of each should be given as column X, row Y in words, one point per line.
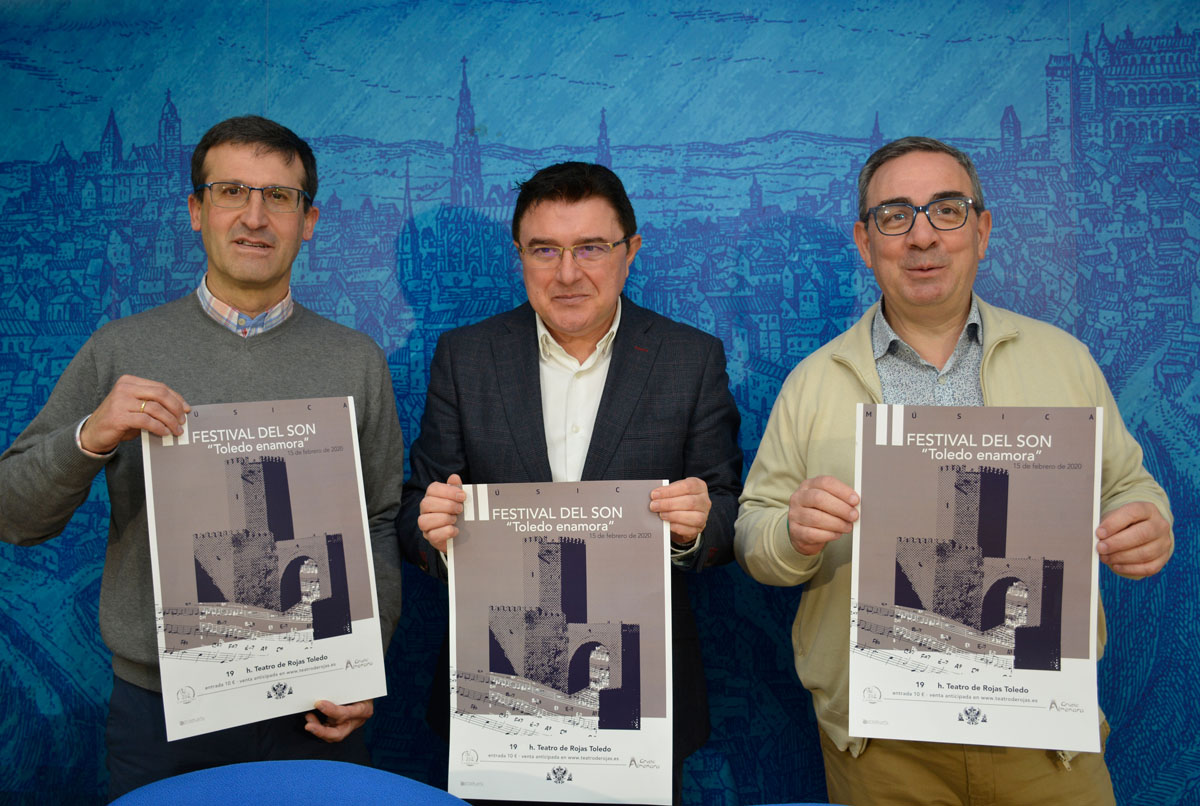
column 264, row 586
column 975, row 589
column 560, row 659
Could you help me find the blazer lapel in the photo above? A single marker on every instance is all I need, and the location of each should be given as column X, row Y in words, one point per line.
column 634, row 351
column 515, row 358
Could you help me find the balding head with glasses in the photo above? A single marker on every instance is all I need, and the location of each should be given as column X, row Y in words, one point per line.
column 922, row 230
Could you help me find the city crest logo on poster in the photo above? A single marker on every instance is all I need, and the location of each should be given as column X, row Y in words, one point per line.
column 559, row 775
column 972, row 715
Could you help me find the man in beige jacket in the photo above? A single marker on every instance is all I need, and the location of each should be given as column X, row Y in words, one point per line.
column 922, row 230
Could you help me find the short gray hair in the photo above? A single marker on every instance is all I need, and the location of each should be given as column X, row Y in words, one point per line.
column 907, row 145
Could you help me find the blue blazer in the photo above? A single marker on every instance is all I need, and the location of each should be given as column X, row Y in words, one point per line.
column 665, row 413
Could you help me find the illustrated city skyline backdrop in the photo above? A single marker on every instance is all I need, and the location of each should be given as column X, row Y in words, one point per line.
column 758, row 277
column 1097, row 230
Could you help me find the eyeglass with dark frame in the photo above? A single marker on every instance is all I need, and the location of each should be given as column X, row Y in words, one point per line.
column 897, row 218
column 547, row 255
column 276, row 198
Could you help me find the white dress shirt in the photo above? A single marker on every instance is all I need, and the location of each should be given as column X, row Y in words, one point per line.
column 571, row 393
column 571, row 397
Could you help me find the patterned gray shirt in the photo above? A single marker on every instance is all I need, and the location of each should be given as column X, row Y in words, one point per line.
column 909, row 379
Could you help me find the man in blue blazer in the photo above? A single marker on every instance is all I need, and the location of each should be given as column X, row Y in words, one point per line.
column 579, row 383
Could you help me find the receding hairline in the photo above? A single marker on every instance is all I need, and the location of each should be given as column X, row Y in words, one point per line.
column 942, row 193
column 910, row 145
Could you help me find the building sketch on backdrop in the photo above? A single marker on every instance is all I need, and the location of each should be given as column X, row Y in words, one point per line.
column 1097, row 231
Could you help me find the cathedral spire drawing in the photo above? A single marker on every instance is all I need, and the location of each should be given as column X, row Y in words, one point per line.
column 876, row 141
column 408, row 241
column 169, row 137
column 466, row 178
column 603, row 152
column 110, row 143
column 408, row 208
column 1010, row 132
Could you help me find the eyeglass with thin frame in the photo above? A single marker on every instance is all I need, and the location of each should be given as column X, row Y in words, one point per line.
column 897, row 218
column 547, row 255
column 276, row 198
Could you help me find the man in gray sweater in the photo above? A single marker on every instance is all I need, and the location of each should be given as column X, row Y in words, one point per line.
column 239, row 337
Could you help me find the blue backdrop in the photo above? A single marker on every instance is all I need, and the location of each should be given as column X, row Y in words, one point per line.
column 739, row 133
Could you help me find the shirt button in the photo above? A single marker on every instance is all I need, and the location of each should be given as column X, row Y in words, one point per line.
column 941, row 381
column 574, row 429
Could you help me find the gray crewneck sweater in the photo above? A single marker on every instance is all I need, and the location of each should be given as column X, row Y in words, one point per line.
column 44, row 476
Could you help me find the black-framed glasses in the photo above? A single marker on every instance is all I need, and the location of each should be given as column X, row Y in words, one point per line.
column 898, row 218
column 276, row 198
column 546, row 255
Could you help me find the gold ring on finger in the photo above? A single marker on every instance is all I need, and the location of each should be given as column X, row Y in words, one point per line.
column 142, row 410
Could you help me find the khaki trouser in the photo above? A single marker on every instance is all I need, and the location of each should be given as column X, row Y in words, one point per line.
column 895, row 773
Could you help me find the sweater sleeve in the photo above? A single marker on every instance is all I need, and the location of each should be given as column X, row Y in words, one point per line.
column 44, row 476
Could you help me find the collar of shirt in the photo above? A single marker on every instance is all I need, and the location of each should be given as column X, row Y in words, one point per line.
column 906, row 377
column 238, row 322
column 883, row 337
column 551, row 350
